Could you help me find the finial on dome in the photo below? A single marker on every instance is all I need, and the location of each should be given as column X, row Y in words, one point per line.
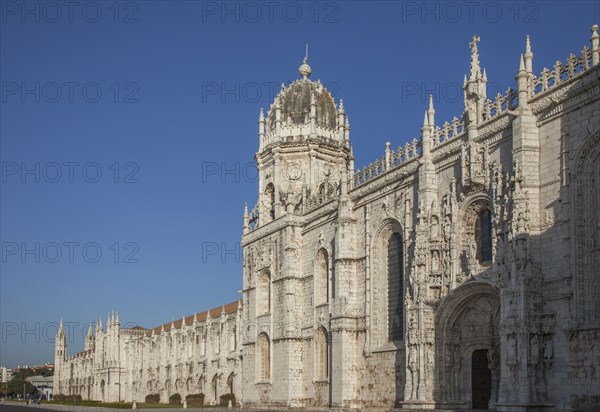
column 475, row 69
column 305, row 69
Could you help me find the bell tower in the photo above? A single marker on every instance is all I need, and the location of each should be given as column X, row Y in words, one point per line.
column 60, row 356
column 304, row 146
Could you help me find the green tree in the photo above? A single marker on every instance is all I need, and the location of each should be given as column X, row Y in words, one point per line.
column 15, row 387
column 21, row 374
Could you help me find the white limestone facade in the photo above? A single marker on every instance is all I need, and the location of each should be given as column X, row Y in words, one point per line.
column 193, row 355
column 459, row 270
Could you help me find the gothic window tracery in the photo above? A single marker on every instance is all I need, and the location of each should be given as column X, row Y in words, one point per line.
column 395, row 287
column 263, row 348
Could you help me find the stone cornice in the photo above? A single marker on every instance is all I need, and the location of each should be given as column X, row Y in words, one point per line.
column 396, row 175
column 272, row 227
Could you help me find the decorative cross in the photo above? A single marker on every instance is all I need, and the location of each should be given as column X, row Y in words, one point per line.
column 473, row 43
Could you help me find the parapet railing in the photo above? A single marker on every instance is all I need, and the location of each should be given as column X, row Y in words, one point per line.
column 562, row 72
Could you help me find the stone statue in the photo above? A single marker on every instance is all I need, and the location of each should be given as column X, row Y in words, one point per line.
column 534, row 350
column 435, row 228
column 447, row 228
column 435, row 260
column 511, row 350
column 413, row 366
column 548, row 351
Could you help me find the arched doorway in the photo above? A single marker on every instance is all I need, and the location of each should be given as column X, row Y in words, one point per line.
column 481, row 379
column 467, row 346
column 215, row 388
column 102, row 384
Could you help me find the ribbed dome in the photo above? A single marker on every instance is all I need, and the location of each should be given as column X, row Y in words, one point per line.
column 295, row 105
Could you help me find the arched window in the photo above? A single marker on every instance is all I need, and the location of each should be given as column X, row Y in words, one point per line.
column 233, row 339
column 217, row 339
column 270, row 201
column 263, row 293
column 395, row 288
column 321, row 278
column 483, row 236
column 230, row 382
column 263, row 349
column 326, row 190
column 321, row 354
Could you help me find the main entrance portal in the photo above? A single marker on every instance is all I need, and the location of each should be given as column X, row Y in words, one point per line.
column 468, row 347
column 481, row 379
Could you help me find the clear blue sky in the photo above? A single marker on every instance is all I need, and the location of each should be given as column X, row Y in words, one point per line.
column 181, row 85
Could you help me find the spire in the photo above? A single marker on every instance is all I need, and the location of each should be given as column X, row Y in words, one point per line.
column 484, row 75
column 426, row 134
column 528, row 56
column 595, row 39
column 431, row 112
column 117, row 319
column 341, row 114
column 89, row 339
column 521, row 64
column 522, row 84
column 61, row 329
column 475, row 69
column 261, row 126
column 278, row 114
column 246, row 227
column 347, row 130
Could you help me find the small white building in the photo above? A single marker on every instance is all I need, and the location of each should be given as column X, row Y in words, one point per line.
column 43, row 384
column 5, row 374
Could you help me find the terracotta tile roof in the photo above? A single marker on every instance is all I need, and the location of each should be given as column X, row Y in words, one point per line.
column 200, row 317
